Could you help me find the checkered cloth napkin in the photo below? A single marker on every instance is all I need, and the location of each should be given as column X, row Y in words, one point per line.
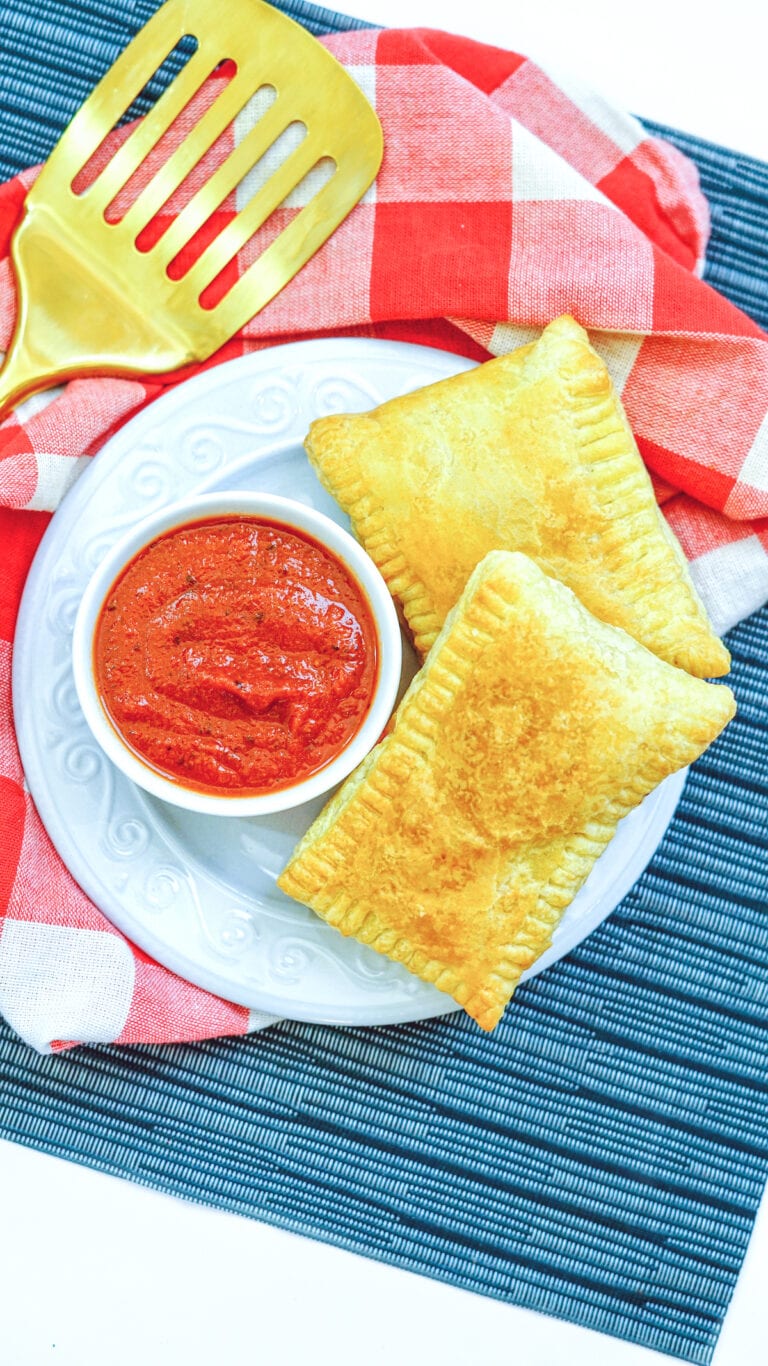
column 508, row 194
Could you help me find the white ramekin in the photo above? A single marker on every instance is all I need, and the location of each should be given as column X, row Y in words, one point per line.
column 292, row 515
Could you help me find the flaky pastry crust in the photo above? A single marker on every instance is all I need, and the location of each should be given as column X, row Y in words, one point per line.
column 530, row 452
column 530, row 731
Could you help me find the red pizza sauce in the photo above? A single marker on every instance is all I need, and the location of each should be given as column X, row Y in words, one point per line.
column 236, row 656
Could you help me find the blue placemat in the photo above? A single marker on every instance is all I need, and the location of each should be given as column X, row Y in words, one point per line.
column 602, row 1155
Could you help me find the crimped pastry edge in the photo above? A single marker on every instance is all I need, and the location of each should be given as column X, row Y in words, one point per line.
column 592, row 403
column 612, row 450
column 308, row 872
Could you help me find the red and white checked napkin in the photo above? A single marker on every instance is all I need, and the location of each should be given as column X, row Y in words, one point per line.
column 507, row 195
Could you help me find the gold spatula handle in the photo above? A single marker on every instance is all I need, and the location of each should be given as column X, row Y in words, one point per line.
column 78, row 323
column 20, row 377
column 50, row 340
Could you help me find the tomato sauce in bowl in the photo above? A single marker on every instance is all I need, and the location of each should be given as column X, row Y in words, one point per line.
column 235, row 655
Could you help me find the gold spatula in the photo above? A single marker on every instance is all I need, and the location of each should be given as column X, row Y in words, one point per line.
column 89, row 300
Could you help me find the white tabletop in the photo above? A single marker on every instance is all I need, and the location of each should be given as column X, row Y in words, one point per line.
column 100, row 1272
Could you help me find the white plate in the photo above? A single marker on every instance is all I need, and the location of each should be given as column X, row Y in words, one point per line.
column 198, row 893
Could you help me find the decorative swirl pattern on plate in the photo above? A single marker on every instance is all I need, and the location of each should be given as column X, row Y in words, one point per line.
column 273, row 406
column 62, row 603
column 83, row 762
column 379, row 971
column 127, row 837
column 64, row 703
column 229, row 934
column 203, row 450
column 148, row 460
column 338, row 394
column 163, row 886
column 148, row 486
column 151, row 481
column 290, row 959
column 238, row 934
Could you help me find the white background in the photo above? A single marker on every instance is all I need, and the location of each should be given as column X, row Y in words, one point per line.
column 95, row 1271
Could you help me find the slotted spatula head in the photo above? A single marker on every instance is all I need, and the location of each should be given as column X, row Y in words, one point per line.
column 91, row 301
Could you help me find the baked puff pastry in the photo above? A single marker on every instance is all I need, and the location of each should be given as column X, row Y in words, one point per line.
column 530, row 731
column 528, row 452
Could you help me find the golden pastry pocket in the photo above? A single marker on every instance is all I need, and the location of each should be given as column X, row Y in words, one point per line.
column 532, row 728
column 529, row 452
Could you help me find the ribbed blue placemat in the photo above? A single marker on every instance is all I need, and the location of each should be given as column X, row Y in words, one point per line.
column 602, row 1155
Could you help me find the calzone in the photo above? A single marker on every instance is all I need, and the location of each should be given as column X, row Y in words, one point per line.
column 530, row 731
column 530, row 452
